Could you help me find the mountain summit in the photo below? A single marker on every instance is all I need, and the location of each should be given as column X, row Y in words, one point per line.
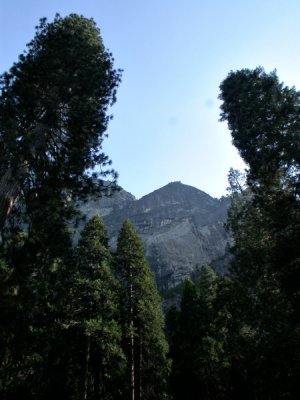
column 182, row 227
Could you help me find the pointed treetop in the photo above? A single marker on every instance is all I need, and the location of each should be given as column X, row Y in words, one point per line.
column 93, row 242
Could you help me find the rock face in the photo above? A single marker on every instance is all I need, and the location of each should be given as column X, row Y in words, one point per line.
column 182, row 227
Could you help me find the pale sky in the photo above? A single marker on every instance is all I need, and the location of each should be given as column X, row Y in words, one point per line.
column 174, row 54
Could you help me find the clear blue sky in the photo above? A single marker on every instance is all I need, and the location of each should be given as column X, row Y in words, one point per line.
column 174, row 54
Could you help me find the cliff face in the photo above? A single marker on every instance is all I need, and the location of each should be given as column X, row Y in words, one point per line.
column 182, row 227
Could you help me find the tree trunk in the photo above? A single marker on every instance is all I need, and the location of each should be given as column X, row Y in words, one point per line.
column 132, row 367
column 9, row 189
column 86, row 367
column 140, row 360
column 132, row 371
column 97, row 380
column 9, row 182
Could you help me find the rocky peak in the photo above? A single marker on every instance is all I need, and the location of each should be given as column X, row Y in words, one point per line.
column 182, row 227
column 175, row 193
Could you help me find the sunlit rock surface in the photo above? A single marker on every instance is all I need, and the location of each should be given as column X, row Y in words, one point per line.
column 182, row 228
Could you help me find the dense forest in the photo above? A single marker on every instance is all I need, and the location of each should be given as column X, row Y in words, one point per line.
column 82, row 321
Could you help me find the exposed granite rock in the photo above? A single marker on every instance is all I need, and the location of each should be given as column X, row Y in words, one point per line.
column 118, row 200
column 182, row 227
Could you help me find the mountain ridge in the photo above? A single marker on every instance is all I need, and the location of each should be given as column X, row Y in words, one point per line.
column 182, row 227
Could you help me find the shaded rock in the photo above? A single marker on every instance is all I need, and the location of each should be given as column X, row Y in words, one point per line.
column 182, row 228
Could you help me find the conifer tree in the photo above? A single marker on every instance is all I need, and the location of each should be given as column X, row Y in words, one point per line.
column 142, row 320
column 53, row 121
column 263, row 117
column 36, row 288
column 94, row 323
column 53, row 107
column 198, row 342
column 186, row 336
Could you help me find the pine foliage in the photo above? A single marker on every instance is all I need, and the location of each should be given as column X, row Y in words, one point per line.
column 142, row 319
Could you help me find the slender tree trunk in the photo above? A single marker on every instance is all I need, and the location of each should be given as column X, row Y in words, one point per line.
column 86, row 367
column 9, row 189
column 132, row 371
column 97, row 383
column 9, row 182
column 132, row 366
column 138, row 362
column 140, row 358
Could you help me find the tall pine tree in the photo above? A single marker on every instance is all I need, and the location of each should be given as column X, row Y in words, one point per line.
column 263, row 116
column 54, row 116
column 97, row 352
column 142, row 320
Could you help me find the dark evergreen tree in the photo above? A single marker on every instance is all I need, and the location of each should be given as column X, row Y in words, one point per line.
column 142, row 320
column 200, row 367
column 97, row 352
column 52, row 124
column 36, row 288
column 263, row 116
column 53, row 106
column 185, row 338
